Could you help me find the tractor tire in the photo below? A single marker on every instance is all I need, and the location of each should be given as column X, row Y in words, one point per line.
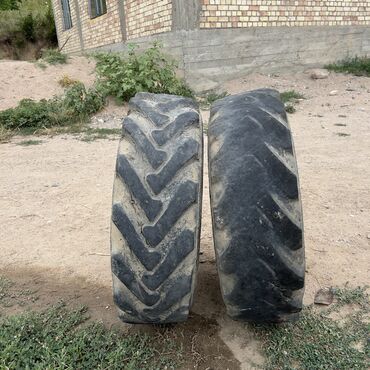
column 156, row 210
column 256, row 210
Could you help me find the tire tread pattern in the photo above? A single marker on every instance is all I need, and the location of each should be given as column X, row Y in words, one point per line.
column 152, row 282
column 257, row 221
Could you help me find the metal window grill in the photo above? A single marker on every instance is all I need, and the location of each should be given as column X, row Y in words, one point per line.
column 66, row 10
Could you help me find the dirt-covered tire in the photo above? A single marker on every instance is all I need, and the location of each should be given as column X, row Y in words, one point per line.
column 156, row 209
column 256, row 209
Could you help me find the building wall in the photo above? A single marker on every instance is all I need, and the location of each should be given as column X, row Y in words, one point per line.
column 147, row 17
column 258, row 13
column 103, row 30
column 69, row 38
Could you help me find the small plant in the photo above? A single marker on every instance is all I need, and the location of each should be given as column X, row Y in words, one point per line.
column 290, row 98
column 54, row 56
column 55, row 339
column 356, row 66
column 289, row 108
column 207, row 99
column 66, row 81
column 148, row 71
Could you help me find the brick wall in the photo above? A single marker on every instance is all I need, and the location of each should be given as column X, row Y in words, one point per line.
column 147, row 17
column 258, row 13
column 102, row 30
column 69, row 38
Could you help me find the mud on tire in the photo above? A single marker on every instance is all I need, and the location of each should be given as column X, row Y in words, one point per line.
column 156, row 209
column 256, row 210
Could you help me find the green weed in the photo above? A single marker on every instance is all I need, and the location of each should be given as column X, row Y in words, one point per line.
column 55, row 339
column 207, row 99
column 356, row 66
column 148, row 71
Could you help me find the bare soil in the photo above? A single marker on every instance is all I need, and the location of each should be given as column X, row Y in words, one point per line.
column 55, row 201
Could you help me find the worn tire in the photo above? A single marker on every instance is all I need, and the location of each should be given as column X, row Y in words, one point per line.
column 156, row 209
column 256, row 210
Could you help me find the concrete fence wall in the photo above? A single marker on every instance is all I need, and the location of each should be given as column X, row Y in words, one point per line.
column 216, row 40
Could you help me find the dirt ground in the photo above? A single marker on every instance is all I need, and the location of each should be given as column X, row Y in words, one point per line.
column 55, row 201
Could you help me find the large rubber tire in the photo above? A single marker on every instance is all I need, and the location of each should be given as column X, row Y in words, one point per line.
column 156, row 209
column 256, row 210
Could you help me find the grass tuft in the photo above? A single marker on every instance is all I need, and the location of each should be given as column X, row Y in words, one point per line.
column 55, row 339
column 356, row 66
column 290, row 99
column 54, row 56
column 291, row 96
column 92, row 134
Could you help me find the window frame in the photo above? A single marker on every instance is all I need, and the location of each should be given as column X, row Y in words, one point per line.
column 100, row 8
column 66, row 15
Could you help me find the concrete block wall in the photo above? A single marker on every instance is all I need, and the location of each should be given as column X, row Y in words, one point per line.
column 292, row 13
column 147, row 17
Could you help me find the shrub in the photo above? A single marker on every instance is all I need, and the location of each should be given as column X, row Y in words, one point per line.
column 149, row 71
column 75, row 106
column 28, row 27
column 82, row 102
column 27, row 114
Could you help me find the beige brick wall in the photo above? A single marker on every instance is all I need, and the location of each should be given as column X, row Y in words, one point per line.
column 258, row 13
column 147, row 17
column 103, row 30
column 69, row 38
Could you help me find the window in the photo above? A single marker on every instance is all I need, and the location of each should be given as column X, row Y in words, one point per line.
column 97, row 8
column 66, row 10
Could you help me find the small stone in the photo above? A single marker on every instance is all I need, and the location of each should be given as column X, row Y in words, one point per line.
column 324, row 297
column 319, row 74
column 333, row 92
column 368, row 236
